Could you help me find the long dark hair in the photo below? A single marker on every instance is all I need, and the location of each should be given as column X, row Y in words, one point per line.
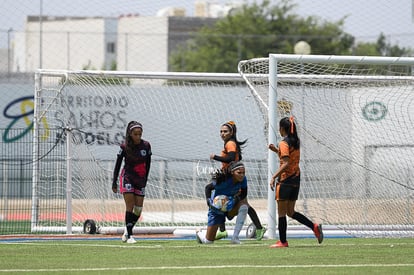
column 129, row 144
column 289, row 126
column 239, row 144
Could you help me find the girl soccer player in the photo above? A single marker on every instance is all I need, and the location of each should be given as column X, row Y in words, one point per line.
column 232, row 151
column 287, row 181
column 235, row 188
column 134, row 175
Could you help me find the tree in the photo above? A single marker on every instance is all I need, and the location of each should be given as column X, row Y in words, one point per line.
column 255, row 31
column 259, row 29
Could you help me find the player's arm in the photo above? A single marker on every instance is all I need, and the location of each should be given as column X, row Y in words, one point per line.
column 284, row 164
column 117, row 168
column 207, row 191
column 240, row 196
column 231, row 149
column 273, row 148
column 148, row 162
column 231, row 156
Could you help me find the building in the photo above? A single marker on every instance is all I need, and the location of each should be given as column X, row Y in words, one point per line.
column 70, row 43
column 128, row 42
column 145, row 43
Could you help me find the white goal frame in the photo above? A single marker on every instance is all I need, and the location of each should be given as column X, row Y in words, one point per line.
column 258, row 71
column 152, row 79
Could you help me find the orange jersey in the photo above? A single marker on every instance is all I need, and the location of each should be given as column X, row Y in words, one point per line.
column 230, row 146
column 294, row 158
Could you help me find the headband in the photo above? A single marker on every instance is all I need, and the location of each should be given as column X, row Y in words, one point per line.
column 236, row 165
column 135, row 125
column 231, row 124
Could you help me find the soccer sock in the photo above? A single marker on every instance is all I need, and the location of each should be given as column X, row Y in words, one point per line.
column 282, row 229
column 137, row 211
column 135, row 219
column 129, row 221
column 202, row 236
column 255, row 219
column 303, row 220
column 222, row 227
column 241, row 217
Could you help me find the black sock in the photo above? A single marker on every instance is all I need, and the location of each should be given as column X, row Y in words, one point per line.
column 130, row 222
column 222, row 227
column 282, row 229
column 253, row 216
column 135, row 220
column 302, row 219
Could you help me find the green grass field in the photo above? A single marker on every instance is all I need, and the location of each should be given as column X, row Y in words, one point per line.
column 169, row 256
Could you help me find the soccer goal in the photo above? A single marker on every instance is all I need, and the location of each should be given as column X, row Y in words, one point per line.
column 355, row 118
column 80, row 120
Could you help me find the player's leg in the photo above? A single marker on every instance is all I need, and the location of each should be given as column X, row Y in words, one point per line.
column 208, row 191
column 211, row 233
column 282, row 192
column 256, row 221
column 139, row 203
column 282, row 206
column 214, row 220
column 316, row 228
column 222, row 232
column 241, row 217
column 130, row 217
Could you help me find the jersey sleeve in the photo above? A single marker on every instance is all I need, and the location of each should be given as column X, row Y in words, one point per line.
column 231, row 146
column 283, row 149
column 118, row 163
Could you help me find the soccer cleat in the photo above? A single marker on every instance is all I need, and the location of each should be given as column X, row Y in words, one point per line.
column 221, row 235
column 279, row 244
column 260, row 233
column 317, row 229
column 235, row 240
column 131, row 240
column 124, row 237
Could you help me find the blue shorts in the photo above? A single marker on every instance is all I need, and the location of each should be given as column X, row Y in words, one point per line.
column 215, row 217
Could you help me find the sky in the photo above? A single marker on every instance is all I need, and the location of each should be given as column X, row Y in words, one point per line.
column 365, row 19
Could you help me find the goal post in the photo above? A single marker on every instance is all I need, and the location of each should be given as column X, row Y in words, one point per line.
column 355, row 119
column 80, row 119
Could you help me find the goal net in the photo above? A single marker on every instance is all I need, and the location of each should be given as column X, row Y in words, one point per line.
column 355, row 120
column 80, row 120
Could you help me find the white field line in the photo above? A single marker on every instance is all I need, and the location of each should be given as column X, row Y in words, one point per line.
column 204, row 267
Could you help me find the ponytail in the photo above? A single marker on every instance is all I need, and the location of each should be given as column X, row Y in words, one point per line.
column 289, row 126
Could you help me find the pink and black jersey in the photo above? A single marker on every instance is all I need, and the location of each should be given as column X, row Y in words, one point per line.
column 137, row 162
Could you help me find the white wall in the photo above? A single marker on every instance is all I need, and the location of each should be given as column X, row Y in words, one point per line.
column 143, row 44
column 68, row 44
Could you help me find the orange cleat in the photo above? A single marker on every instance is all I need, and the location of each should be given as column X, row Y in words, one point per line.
column 317, row 229
column 279, row 244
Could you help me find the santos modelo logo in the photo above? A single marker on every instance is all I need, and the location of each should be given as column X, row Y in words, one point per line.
column 21, row 110
column 92, row 123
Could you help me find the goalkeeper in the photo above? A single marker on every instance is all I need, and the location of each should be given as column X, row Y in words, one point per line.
column 235, row 188
column 232, row 151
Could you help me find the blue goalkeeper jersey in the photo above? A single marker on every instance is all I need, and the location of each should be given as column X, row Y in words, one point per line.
column 229, row 188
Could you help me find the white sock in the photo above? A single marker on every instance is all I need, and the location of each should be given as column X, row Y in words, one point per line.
column 207, row 241
column 241, row 217
column 202, row 235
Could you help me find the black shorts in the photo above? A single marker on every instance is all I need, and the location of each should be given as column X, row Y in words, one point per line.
column 288, row 189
